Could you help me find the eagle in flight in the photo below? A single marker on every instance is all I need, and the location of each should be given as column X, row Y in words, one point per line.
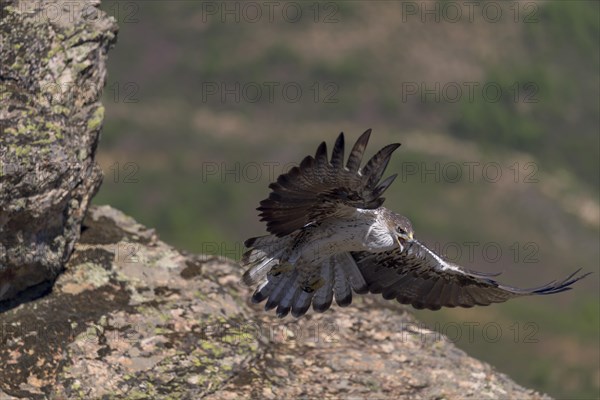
column 330, row 236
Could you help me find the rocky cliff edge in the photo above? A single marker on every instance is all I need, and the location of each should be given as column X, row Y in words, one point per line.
column 132, row 317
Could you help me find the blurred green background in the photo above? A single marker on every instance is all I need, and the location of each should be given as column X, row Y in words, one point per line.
column 207, row 102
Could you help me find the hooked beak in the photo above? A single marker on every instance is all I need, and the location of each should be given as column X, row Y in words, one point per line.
column 407, row 238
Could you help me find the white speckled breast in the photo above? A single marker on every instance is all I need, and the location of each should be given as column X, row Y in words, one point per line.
column 365, row 230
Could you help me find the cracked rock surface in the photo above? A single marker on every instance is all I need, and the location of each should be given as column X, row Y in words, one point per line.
column 132, row 317
column 52, row 71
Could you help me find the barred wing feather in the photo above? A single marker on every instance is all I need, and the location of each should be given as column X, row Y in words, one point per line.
column 320, row 188
column 419, row 277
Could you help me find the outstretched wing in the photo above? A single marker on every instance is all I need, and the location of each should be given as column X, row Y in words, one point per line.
column 320, row 188
column 419, row 277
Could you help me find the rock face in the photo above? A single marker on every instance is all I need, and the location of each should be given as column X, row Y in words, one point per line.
column 134, row 318
column 52, row 71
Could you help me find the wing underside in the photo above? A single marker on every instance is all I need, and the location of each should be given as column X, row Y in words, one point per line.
column 419, row 277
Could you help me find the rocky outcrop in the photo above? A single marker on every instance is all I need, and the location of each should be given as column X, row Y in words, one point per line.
column 134, row 318
column 52, row 71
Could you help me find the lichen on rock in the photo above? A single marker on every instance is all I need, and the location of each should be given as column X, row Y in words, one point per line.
column 52, row 72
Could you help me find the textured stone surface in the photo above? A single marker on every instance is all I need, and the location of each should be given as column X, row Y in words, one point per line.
column 52, row 71
column 134, row 318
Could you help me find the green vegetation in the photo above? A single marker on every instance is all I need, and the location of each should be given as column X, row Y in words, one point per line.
column 529, row 114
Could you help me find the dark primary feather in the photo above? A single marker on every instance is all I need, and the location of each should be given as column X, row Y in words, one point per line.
column 320, row 188
column 417, row 276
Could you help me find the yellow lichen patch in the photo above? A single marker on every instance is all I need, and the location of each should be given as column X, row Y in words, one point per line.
column 96, row 120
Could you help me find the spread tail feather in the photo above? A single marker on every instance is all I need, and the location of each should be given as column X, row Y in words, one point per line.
column 264, row 254
column 342, row 291
column 284, row 287
column 355, row 277
column 301, row 303
column 324, row 295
